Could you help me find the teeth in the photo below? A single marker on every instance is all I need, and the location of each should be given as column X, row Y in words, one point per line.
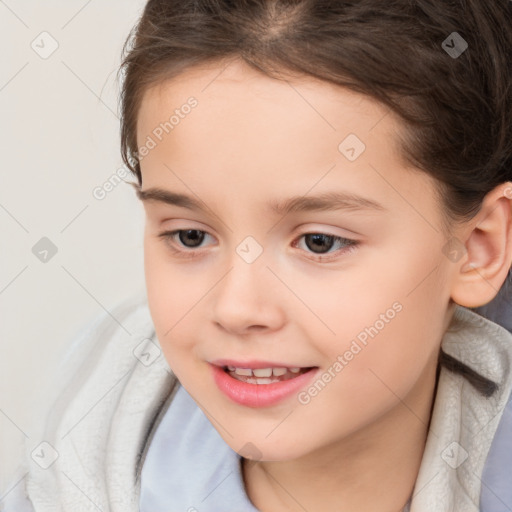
column 262, row 375
column 262, row 380
column 262, row 372
column 243, row 371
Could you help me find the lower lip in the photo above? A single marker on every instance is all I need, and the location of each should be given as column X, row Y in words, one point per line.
column 259, row 395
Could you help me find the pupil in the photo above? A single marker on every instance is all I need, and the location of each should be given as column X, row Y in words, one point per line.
column 317, row 239
column 193, row 234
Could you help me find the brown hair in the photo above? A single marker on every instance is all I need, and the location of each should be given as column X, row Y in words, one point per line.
column 455, row 101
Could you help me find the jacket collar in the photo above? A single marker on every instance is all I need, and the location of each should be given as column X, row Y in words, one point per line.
column 464, row 422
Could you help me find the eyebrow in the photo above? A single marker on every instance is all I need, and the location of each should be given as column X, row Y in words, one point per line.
column 321, row 202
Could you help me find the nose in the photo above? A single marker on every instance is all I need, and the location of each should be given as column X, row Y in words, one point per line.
column 247, row 299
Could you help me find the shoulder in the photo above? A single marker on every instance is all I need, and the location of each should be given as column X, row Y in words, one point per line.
column 94, row 412
column 497, row 491
column 98, row 350
column 464, row 418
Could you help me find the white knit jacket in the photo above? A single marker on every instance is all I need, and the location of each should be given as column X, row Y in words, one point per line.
column 114, row 386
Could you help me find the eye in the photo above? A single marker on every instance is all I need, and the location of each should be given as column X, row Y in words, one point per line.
column 189, row 238
column 321, row 243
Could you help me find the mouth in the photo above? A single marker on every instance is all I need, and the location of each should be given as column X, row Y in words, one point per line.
column 259, row 384
column 267, row 375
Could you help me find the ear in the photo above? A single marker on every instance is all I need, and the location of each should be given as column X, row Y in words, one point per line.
column 487, row 240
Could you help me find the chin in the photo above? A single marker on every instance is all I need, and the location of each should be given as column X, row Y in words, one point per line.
column 268, row 451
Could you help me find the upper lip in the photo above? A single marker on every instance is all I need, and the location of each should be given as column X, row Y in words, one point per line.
column 255, row 364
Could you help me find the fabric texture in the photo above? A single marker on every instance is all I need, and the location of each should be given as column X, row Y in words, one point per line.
column 99, row 417
column 115, row 389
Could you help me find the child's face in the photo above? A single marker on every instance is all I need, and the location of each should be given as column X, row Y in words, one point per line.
column 251, row 141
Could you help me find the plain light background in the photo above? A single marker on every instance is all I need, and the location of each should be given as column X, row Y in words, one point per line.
column 60, row 140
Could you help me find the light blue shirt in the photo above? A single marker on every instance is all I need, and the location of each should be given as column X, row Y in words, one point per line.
column 189, row 467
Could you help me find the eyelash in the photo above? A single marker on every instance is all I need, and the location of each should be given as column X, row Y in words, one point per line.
column 349, row 244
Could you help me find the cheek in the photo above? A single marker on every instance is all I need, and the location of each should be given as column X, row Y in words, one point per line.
column 388, row 323
column 402, row 268
column 171, row 294
column 367, row 378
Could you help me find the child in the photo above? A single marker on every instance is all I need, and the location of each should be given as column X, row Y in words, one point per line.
column 266, row 371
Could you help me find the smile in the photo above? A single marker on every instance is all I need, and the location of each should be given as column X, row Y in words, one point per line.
column 261, row 387
column 264, row 375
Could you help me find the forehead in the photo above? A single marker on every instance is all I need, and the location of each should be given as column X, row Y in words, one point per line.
column 257, row 135
column 241, row 113
column 238, row 96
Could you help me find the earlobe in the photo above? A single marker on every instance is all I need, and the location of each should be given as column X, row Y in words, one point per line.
column 488, row 250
